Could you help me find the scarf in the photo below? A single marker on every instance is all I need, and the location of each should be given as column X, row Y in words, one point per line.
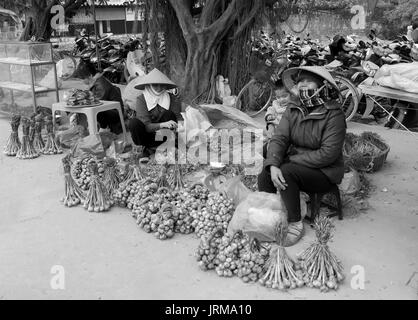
column 311, row 97
column 153, row 98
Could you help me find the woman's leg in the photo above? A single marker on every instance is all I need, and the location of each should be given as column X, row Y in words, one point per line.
column 300, row 178
column 139, row 134
column 264, row 182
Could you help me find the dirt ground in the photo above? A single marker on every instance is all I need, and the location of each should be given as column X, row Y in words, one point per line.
column 106, row 256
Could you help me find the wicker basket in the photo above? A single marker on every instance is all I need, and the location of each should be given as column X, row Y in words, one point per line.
column 364, row 161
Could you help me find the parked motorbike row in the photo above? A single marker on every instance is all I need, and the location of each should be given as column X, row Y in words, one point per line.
column 113, row 54
column 348, row 58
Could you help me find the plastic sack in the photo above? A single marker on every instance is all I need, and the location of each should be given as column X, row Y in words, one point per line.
column 91, row 144
column 68, row 138
column 217, row 113
column 350, row 184
column 130, row 94
column 402, row 76
column 257, row 213
column 195, row 123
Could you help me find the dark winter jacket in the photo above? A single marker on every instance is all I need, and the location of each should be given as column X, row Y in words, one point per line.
column 313, row 140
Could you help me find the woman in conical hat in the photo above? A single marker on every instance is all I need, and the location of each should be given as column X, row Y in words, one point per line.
column 156, row 109
column 305, row 152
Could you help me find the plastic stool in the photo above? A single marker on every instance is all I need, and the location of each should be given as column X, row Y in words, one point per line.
column 315, row 203
column 91, row 113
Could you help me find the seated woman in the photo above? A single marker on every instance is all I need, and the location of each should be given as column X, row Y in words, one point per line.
column 305, row 152
column 155, row 109
column 103, row 89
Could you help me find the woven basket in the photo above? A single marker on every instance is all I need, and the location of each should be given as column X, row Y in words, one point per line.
column 365, row 161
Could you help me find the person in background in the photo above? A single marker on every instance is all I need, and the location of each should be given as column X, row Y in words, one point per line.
column 305, row 152
column 103, row 89
column 156, row 109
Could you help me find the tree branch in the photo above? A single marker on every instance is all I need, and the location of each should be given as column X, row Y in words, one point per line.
column 225, row 21
column 184, row 17
column 207, row 12
column 254, row 11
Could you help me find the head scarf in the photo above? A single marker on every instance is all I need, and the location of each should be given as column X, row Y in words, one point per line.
column 313, row 97
column 154, row 98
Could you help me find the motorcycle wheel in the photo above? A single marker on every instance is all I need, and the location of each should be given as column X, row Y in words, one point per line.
column 349, row 97
column 255, row 97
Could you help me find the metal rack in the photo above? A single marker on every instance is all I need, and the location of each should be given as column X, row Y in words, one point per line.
column 32, row 64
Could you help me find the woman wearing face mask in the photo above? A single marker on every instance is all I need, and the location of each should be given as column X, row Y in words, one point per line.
column 155, row 109
column 305, row 152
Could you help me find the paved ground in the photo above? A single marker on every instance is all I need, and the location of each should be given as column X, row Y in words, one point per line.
column 106, row 256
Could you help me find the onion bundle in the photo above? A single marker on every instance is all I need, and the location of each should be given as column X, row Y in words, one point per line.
column 129, row 182
column 110, row 175
column 82, row 174
column 139, row 191
column 165, row 220
column 216, row 213
column 208, row 249
column 252, row 260
column 227, row 260
column 51, row 146
column 145, row 213
column 26, row 150
column 281, row 270
column 13, row 143
column 97, row 197
column 174, row 179
column 73, row 193
column 321, row 267
column 38, row 142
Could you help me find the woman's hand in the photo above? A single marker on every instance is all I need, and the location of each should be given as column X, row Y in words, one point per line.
column 277, row 178
column 169, row 125
column 270, row 130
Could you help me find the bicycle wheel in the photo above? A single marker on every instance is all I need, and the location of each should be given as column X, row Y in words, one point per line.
column 350, row 97
column 254, row 97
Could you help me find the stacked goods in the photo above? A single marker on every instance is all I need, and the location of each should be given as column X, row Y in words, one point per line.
column 366, row 152
column 199, row 192
column 13, row 143
column 97, row 198
column 215, row 214
column 26, row 150
column 208, row 249
column 110, row 176
column 252, row 261
column 38, row 142
column 73, row 193
column 281, row 269
column 79, row 97
column 321, row 267
column 51, row 146
column 80, row 171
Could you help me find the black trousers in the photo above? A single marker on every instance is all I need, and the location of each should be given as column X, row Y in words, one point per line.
column 139, row 134
column 110, row 119
column 298, row 178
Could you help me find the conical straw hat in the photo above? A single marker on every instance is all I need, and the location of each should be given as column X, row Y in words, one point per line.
column 289, row 83
column 155, row 77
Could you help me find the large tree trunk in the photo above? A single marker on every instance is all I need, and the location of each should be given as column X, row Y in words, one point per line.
column 199, row 69
column 38, row 23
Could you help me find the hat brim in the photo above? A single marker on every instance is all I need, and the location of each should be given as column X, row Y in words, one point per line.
column 289, row 74
column 168, row 86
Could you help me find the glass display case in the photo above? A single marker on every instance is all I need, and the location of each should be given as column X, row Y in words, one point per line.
column 27, row 70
